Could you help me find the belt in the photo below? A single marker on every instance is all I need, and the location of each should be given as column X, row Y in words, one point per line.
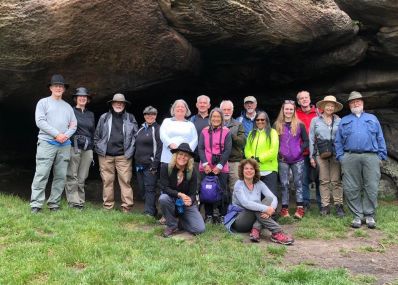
column 358, row 151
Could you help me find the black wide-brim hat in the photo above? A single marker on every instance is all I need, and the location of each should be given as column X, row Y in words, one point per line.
column 82, row 91
column 183, row 147
column 58, row 79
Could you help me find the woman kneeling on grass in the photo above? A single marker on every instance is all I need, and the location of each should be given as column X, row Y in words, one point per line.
column 248, row 211
column 178, row 181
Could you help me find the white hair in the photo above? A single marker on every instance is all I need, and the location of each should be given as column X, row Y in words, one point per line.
column 223, row 102
column 203, row 96
column 303, row 91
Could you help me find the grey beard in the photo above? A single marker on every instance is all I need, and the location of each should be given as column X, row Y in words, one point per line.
column 357, row 110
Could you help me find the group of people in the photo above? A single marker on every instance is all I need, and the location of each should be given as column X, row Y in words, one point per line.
column 188, row 155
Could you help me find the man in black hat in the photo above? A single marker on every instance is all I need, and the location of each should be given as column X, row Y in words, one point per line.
column 360, row 148
column 114, row 142
column 57, row 123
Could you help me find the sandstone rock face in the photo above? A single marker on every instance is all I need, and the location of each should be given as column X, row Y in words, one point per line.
column 271, row 32
column 226, row 49
column 107, row 45
column 260, row 26
column 376, row 12
column 388, row 39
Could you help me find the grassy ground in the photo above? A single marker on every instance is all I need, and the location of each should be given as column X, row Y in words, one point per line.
column 97, row 247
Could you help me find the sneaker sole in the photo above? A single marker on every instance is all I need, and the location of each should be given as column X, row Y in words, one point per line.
column 371, row 226
column 298, row 217
column 355, row 226
column 281, row 242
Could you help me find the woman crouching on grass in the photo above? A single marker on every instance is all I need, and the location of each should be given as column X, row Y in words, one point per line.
column 178, row 181
column 248, row 211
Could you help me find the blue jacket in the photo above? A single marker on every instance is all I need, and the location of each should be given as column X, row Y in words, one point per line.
column 360, row 134
column 246, row 123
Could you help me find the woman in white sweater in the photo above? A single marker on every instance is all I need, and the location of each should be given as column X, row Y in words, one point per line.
column 177, row 130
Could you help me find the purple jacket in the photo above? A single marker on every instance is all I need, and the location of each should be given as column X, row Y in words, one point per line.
column 291, row 147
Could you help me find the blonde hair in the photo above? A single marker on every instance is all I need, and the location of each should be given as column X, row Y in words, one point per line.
column 280, row 121
column 188, row 167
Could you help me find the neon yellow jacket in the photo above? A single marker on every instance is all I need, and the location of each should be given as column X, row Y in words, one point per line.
column 264, row 148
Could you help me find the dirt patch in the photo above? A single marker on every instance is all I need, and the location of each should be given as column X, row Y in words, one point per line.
column 360, row 255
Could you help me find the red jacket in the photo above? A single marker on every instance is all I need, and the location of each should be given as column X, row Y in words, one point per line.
column 306, row 118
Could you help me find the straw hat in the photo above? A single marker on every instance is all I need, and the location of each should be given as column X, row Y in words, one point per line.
column 330, row 99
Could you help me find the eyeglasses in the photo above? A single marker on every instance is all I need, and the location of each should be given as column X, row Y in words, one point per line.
column 260, row 120
column 289, row 102
column 150, row 114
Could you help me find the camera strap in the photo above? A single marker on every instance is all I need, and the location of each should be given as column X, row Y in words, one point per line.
column 211, row 140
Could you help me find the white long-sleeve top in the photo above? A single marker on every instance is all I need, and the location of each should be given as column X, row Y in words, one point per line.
column 173, row 131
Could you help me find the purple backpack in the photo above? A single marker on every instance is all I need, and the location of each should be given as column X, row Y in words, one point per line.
column 210, row 190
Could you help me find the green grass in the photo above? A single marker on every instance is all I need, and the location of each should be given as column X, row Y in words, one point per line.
column 97, row 247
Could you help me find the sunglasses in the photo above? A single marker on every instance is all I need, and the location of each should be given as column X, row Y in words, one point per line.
column 289, row 102
column 260, row 120
column 149, row 114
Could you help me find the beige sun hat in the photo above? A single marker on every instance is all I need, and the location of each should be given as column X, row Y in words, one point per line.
column 330, row 99
column 354, row 95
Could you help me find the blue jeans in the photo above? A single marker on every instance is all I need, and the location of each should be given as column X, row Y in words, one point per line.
column 147, row 185
column 306, row 184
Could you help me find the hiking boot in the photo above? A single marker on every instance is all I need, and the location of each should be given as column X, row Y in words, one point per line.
column 55, row 209
column 325, row 210
column 126, row 210
column 255, row 235
column 216, row 219
column 35, row 210
column 282, row 238
column 221, row 220
column 284, row 213
column 340, row 211
column 209, row 219
column 162, row 220
column 370, row 222
column 299, row 213
column 356, row 223
column 168, row 232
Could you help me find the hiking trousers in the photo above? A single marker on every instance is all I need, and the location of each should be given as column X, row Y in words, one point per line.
column 330, row 180
column 191, row 220
column 49, row 157
column 361, row 176
column 247, row 219
column 123, row 166
column 78, row 169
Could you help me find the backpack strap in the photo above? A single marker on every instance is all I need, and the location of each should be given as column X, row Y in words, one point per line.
column 188, row 174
